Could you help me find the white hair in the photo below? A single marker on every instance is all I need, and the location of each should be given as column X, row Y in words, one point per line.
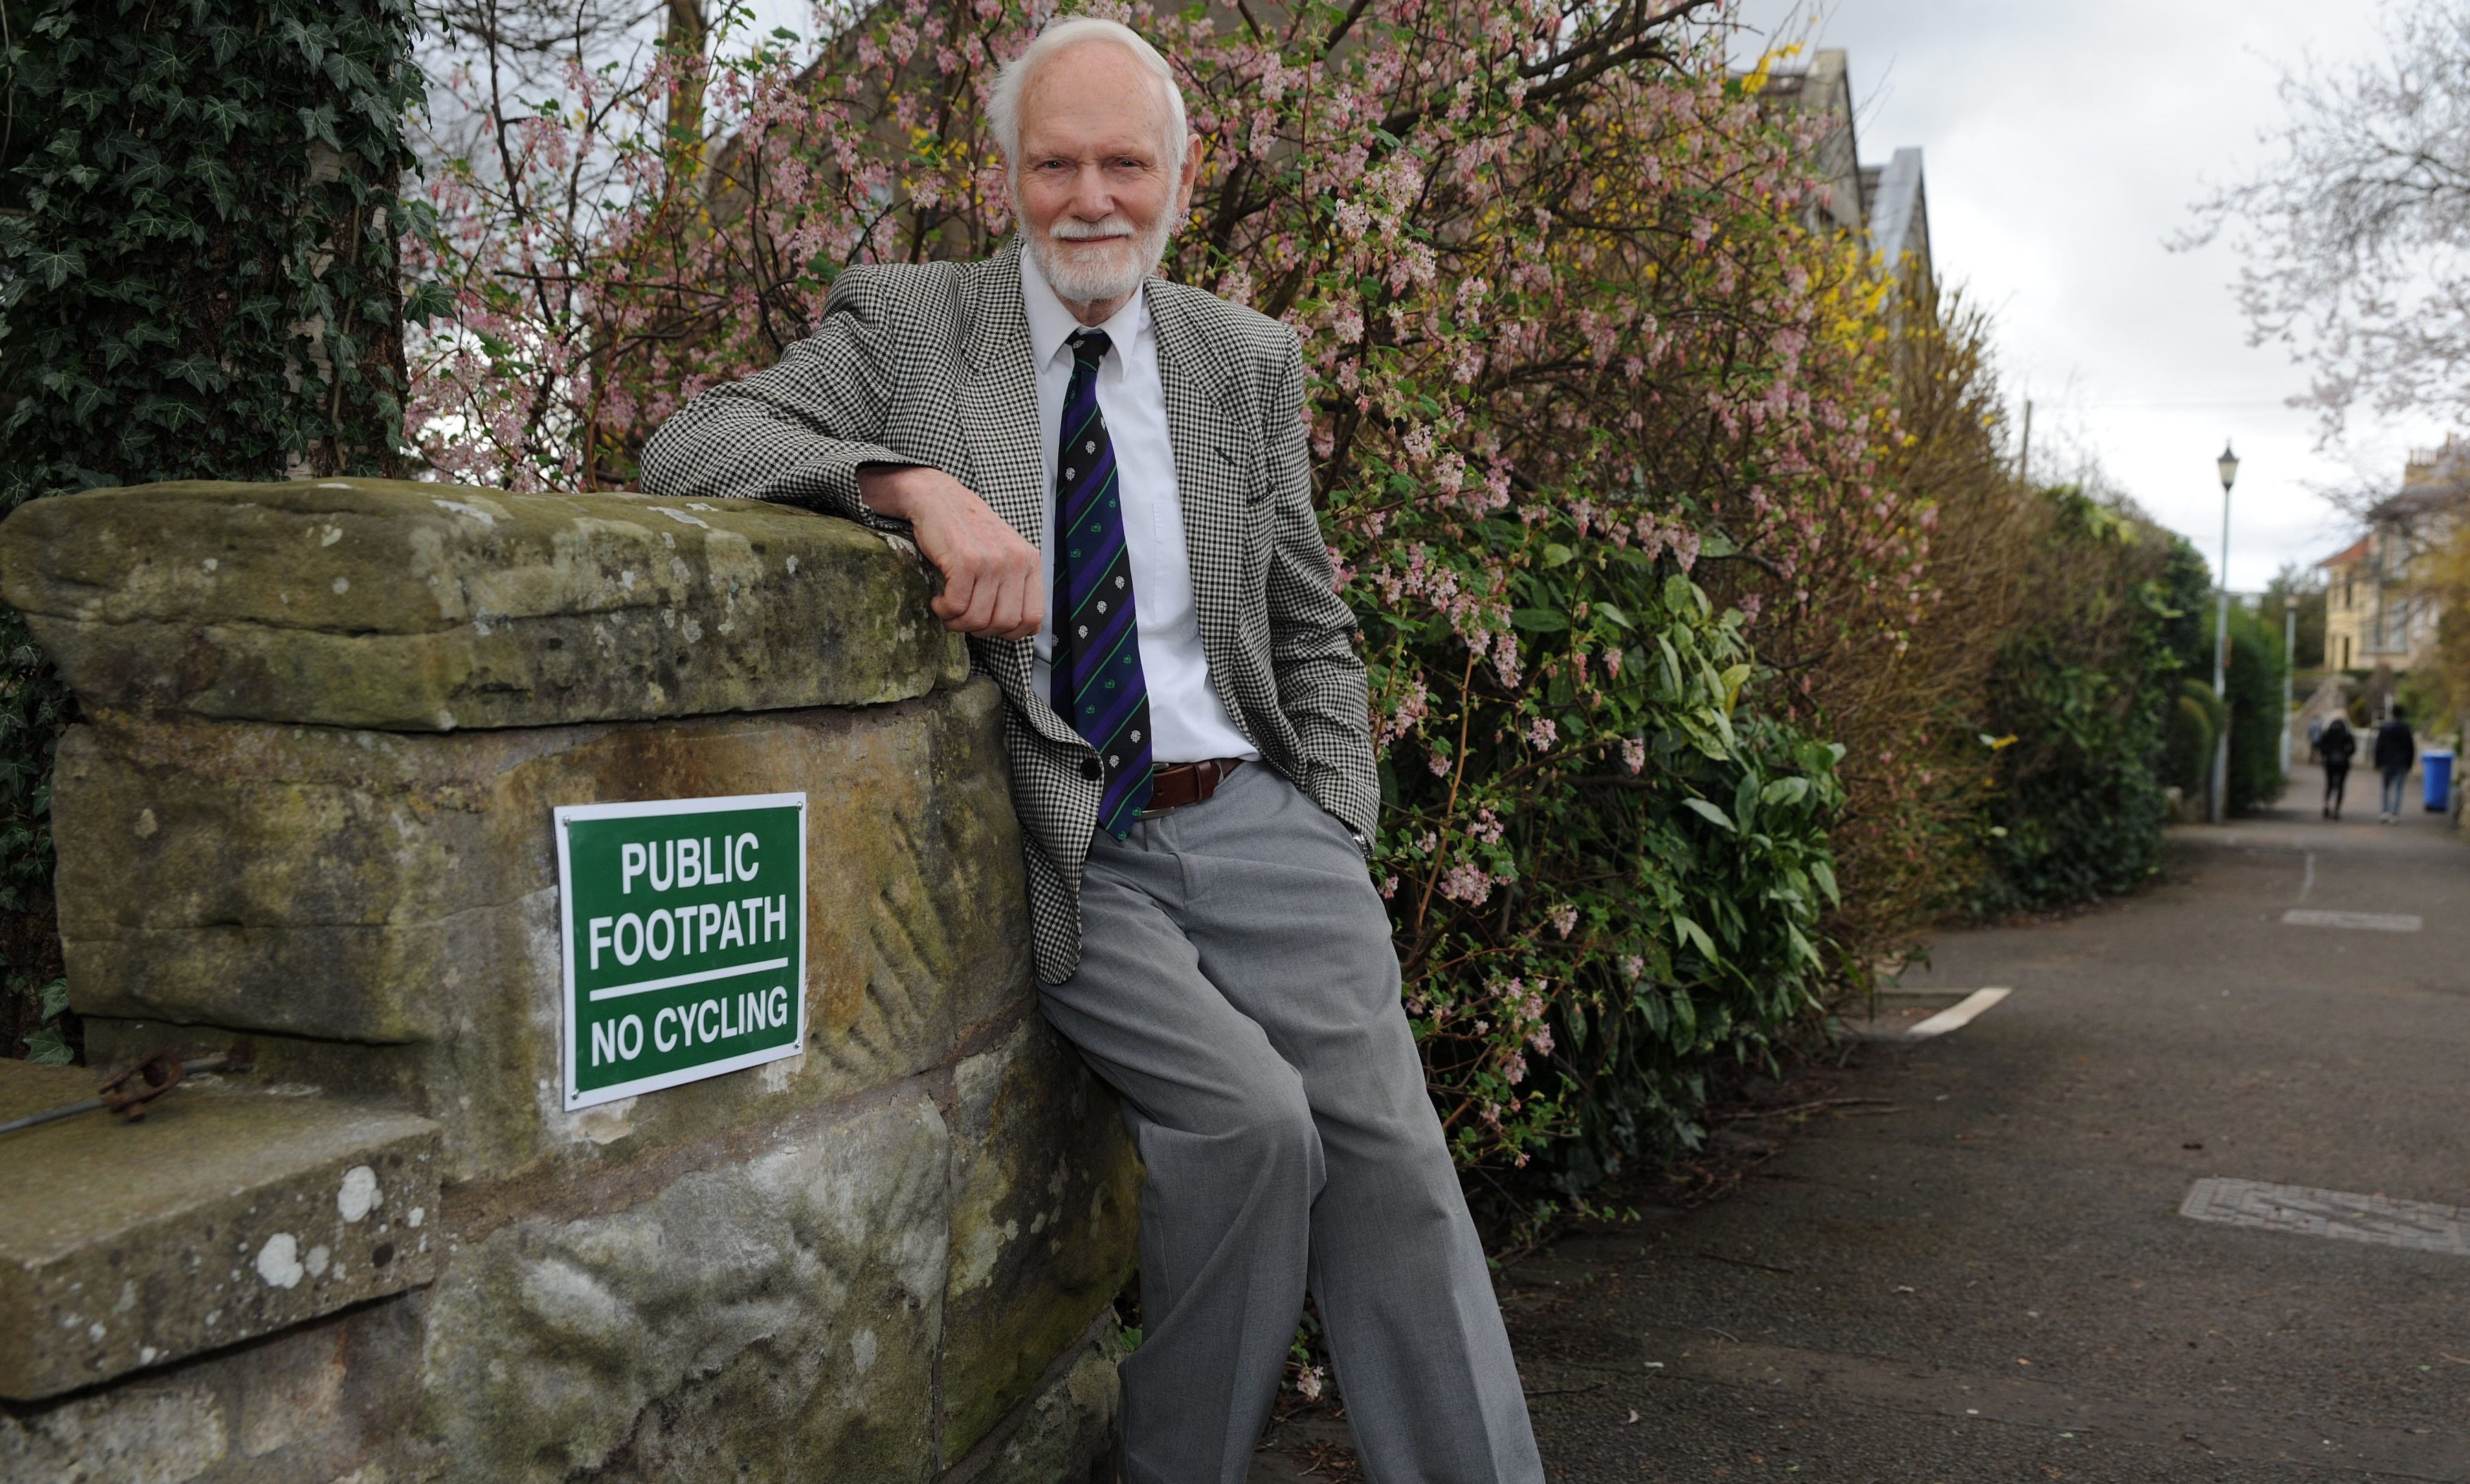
column 1003, row 108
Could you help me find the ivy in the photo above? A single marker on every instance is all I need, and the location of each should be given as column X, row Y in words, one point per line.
column 198, row 279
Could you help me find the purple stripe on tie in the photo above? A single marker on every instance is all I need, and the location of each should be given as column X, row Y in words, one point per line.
column 1100, row 647
column 1081, row 494
column 1126, row 795
column 1110, row 720
column 1095, row 569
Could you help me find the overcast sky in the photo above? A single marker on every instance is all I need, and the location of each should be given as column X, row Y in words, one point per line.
column 2063, row 141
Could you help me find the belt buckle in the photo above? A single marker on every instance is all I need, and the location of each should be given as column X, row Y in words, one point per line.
column 1162, row 810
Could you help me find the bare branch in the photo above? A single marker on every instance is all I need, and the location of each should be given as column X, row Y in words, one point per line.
column 2356, row 239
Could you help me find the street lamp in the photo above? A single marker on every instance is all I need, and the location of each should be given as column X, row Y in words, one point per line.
column 2289, row 669
column 2227, row 464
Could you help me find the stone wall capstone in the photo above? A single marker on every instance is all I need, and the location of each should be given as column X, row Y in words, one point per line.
column 325, row 723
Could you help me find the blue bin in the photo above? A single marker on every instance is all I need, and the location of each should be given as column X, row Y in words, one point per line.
column 2438, row 766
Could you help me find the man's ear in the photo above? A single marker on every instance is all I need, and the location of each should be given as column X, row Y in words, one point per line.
column 1194, row 149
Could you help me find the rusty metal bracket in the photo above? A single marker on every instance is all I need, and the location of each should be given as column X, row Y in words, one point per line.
column 131, row 1089
column 122, row 1095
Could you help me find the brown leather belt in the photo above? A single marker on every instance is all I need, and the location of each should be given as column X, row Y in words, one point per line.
column 1174, row 785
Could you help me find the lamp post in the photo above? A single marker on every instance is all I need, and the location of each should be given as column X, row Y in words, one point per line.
column 2289, row 670
column 2227, row 464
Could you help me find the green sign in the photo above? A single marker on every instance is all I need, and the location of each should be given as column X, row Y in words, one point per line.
column 684, row 922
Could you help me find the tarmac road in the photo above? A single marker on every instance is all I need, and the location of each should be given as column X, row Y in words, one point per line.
column 1986, row 1276
column 1995, row 1283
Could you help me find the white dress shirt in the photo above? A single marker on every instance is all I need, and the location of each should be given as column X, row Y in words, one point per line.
column 1187, row 721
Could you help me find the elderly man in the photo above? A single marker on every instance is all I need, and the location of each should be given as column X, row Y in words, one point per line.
column 1186, row 720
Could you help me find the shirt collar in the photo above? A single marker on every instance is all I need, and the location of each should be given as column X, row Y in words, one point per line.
column 1051, row 324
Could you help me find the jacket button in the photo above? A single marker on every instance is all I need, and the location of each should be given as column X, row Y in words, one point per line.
column 1090, row 769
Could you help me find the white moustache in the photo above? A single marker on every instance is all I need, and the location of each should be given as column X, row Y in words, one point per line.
column 1072, row 229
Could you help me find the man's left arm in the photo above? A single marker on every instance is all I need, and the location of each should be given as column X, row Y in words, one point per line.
column 1320, row 675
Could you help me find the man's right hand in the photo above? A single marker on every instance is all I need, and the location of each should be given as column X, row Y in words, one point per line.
column 993, row 587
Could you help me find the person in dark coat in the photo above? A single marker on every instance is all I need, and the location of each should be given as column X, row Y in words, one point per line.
column 2336, row 747
column 2395, row 751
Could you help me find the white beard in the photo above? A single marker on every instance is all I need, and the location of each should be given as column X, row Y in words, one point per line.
column 1093, row 262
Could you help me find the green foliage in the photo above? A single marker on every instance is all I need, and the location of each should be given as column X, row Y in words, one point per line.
column 2187, row 594
column 2294, row 581
column 1640, row 894
column 2255, row 685
column 2084, row 689
column 197, row 280
column 49, row 1044
column 2427, row 695
column 2193, row 721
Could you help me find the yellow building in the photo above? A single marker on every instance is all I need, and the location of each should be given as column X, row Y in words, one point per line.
column 2372, row 620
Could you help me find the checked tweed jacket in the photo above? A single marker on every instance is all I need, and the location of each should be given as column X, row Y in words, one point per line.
column 930, row 364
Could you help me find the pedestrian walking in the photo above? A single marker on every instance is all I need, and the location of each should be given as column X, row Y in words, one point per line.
column 2395, row 751
column 2314, row 739
column 2337, row 747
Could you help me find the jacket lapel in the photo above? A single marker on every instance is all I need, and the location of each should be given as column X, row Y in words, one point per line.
column 1000, row 394
column 1203, row 397
column 999, row 421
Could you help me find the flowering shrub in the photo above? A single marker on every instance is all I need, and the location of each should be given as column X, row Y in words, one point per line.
column 1593, row 411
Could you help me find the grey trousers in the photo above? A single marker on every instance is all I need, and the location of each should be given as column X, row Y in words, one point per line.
column 1237, row 988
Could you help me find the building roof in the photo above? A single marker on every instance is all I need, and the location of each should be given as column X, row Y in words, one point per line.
column 1899, row 211
column 2434, row 483
column 1884, row 203
column 2355, row 552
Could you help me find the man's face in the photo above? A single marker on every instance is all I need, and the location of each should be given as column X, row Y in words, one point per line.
column 1098, row 190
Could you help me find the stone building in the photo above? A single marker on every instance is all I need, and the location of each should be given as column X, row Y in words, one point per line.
column 1887, row 205
column 2373, row 619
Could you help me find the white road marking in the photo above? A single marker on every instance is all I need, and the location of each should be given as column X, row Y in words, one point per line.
column 2422, row 1226
column 2372, row 921
column 1959, row 1014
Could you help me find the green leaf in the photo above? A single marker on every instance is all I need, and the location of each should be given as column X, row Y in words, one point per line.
column 1614, row 613
column 1556, row 554
column 1709, row 812
column 1685, row 1017
column 1730, row 679
column 1692, row 933
column 1539, row 620
column 54, row 998
column 1784, row 791
column 427, row 301
column 48, row 1046
column 54, row 268
column 1826, row 878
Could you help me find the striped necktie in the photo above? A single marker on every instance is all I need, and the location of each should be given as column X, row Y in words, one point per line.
column 1098, row 682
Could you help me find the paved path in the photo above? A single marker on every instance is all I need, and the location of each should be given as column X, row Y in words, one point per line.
column 1994, row 1280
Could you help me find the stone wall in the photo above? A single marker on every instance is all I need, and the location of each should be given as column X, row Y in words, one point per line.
column 310, row 802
